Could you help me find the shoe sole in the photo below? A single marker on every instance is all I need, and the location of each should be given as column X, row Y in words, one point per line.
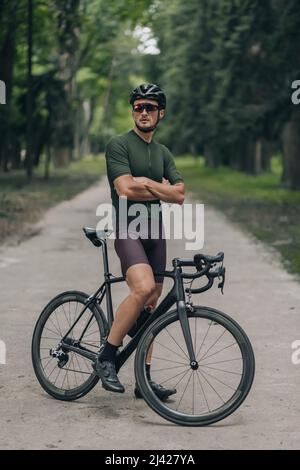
column 107, row 387
column 138, row 395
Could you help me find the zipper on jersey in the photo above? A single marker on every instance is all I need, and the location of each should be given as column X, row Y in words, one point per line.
column 148, row 203
column 149, row 160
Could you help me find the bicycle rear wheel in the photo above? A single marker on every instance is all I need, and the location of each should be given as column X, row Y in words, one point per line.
column 67, row 375
column 218, row 385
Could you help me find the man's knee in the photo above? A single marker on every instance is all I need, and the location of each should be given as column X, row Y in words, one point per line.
column 153, row 298
column 144, row 289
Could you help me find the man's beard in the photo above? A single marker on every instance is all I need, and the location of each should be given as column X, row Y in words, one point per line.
column 148, row 129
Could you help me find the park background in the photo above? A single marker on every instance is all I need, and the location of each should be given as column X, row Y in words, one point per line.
column 227, row 67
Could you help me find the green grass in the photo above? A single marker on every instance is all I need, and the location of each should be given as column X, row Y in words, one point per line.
column 258, row 203
column 22, row 202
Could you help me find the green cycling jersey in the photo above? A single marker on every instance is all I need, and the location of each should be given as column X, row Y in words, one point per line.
column 129, row 154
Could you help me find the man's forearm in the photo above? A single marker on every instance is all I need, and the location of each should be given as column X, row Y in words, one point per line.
column 166, row 193
column 138, row 192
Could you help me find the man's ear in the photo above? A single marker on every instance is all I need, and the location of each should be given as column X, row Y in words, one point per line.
column 161, row 114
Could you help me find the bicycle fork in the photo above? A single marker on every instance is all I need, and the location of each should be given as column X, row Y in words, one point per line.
column 184, row 322
column 183, row 318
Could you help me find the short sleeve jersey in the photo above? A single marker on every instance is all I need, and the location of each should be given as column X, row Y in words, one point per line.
column 129, row 154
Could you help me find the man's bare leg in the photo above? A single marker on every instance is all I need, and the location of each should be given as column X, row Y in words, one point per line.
column 140, row 280
column 151, row 303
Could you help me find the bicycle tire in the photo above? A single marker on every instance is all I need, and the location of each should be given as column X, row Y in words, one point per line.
column 51, row 308
column 215, row 317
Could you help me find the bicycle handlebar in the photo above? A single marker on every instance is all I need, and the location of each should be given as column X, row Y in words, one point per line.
column 204, row 263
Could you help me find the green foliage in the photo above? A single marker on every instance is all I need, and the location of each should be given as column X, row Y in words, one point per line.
column 255, row 202
column 227, row 67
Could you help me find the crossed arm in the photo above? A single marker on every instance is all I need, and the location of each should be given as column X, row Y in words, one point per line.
column 144, row 189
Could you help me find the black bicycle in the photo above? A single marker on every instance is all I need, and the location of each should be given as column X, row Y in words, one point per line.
column 201, row 352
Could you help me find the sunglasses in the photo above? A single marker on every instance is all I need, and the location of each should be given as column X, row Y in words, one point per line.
column 150, row 108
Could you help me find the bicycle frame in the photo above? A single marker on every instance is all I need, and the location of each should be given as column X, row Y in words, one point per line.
column 175, row 295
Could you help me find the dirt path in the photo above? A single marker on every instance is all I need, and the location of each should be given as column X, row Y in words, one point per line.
column 263, row 298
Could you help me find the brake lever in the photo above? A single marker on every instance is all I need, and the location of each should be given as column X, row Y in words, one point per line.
column 221, row 284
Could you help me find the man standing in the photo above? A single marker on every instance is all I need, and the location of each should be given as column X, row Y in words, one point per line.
column 143, row 171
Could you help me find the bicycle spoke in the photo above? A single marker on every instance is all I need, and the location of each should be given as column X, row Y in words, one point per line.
column 74, row 370
column 203, row 339
column 222, row 370
column 184, row 390
column 177, row 343
column 59, row 371
column 167, row 368
column 50, row 359
column 220, row 350
column 75, row 316
column 211, row 386
column 218, row 380
column 169, row 360
column 47, row 328
column 72, row 362
column 66, row 317
column 50, row 320
column 203, row 391
column 92, row 333
column 60, row 332
column 68, row 383
column 78, row 362
column 173, row 377
column 64, row 378
column 193, row 393
column 52, row 371
column 171, row 350
column 218, row 339
column 220, row 362
column 177, row 383
column 195, row 337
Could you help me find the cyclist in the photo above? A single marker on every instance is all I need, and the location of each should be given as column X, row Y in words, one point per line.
column 144, row 171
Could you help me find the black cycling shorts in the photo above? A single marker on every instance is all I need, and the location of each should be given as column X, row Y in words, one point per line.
column 139, row 245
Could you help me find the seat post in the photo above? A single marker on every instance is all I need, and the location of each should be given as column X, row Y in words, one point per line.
column 109, row 306
column 105, row 258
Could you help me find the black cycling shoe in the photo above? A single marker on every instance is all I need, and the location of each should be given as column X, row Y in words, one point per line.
column 161, row 392
column 106, row 370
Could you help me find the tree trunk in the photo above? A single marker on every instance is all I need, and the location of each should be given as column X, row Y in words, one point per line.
column 211, row 155
column 267, row 152
column 291, row 151
column 29, row 149
column 47, row 162
column 68, row 31
column 106, row 115
column 61, row 156
column 235, row 157
column 7, row 57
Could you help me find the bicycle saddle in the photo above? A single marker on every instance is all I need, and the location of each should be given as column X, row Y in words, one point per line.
column 96, row 236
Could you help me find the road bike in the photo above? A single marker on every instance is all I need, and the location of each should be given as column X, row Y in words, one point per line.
column 200, row 351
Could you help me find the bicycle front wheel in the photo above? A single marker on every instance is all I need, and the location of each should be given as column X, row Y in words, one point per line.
column 67, row 375
column 223, row 375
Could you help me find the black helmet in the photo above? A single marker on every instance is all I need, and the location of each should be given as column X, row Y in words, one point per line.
column 151, row 92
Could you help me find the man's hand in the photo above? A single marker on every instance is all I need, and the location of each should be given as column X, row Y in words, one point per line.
column 165, row 181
